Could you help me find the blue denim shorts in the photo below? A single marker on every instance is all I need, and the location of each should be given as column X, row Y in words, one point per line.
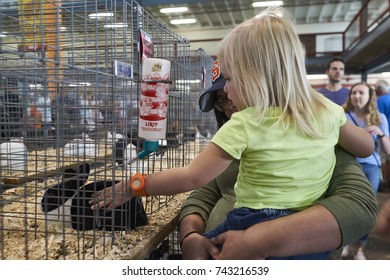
column 244, row 218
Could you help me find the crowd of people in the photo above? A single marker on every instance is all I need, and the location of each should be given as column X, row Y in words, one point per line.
column 291, row 172
column 366, row 106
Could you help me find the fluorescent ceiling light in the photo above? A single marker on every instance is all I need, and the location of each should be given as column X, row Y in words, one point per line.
column 267, row 4
column 188, row 81
column 81, row 84
column 385, row 74
column 183, row 21
column 116, row 25
column 174, row 10
column 36, row 86
column 85, row 84
column 101, row 15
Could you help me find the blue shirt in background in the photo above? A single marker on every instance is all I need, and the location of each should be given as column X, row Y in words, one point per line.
column 339, row 97
column 384, row 105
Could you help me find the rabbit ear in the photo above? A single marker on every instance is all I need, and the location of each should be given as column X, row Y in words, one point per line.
column 83, row 173
column 69, row 173
column 58, row 194
column 84, row 168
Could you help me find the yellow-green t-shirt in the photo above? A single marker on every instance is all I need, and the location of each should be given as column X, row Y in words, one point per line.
column 279, row 168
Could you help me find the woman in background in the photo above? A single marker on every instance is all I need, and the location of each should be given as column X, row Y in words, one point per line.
column 361, row 109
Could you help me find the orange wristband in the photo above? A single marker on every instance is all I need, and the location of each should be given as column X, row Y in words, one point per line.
column 137, row 184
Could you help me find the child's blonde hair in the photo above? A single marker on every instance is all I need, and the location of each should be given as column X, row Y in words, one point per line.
column 266, row 60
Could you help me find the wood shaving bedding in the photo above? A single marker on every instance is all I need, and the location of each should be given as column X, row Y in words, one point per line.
column 27, row 235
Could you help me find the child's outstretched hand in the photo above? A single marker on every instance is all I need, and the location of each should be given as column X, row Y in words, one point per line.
column 112, row 197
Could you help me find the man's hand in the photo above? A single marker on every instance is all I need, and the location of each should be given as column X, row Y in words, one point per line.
column 382, row 227
column 196, row 247
column 234, row 246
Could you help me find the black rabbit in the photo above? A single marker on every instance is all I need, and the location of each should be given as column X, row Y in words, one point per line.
column 1, row 187
column 126, row 216
column 55, row 201
column 68, row 202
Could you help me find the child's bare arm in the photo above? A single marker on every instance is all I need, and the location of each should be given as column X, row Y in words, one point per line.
column 356, row 140
column 211, row 162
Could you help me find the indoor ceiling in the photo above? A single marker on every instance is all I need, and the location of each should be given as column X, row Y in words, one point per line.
column 215, row 18
column 223, row 14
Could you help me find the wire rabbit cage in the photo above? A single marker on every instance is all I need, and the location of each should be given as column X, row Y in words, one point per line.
column 70, row 84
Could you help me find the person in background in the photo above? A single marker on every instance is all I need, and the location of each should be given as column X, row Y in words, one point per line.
column 282, row 124
column 334, row 89
column 381, row 88
column 36, row 117
column 44, row 106
column 345, row 214
column 383, row 101
column 383, row 97
column 361, row 109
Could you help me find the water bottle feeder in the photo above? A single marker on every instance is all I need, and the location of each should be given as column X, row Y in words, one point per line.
column 153, row 107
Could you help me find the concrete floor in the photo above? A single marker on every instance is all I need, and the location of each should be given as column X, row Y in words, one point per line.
column 376, row 249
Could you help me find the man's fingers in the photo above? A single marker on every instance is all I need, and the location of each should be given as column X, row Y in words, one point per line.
column 218, row 240
column 212, row 249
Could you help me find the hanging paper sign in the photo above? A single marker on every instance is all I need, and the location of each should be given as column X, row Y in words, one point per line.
column 146, row 45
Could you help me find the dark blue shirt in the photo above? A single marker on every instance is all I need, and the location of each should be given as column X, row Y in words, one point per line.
column 338, row 97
